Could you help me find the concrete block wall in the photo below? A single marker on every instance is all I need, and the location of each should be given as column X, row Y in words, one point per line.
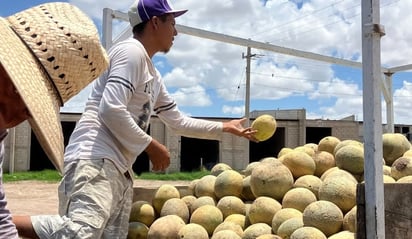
column 292, row 133
column 161, row 133
column 172, row 142
column 346, row 130
column 341, row 129
column 234, row 151
column 17, row 153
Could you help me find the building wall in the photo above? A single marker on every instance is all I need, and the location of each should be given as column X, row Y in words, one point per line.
column 17, row 158
column 233, row 150
column 342, row 129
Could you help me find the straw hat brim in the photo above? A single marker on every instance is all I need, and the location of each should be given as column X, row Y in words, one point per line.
column 37, row 92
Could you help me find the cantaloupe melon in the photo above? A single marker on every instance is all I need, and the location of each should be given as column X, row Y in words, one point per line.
column 386, row 170
column 165, row 227
column 142, row 211
column 193, row 231
column 339, row 190
column 191, row 187
column 255, row 230
column 283, row 215
column 265, row 125
column 329, row 171
column 406, row 179
column 206, row 186
column 310, row 182
column 299, row 163
column 263, row 209
column 229, row 226
column 388, row 179
column 337, row 172
column 349, row 220
column 228, row 183
column 238, row 219
column 328, row 144
column 231, row 205
column 347, row 142
column 310, row 151
column 176, row 206
column 225, row 234
column 137, row 230
column 394, row 146
column 408, row 153
column 249, row 168
column 247, row 193
column 343, row 235
column 284, row 151
column 298, row 198
column 312, row 145
column 323, row 161
column 323, row 215
column 268, row 160
column 268, row 236
column 401, row 167
column 162, row 194
column 189, row 200
column 207, row 216
column 350, row 158
column 307, row 233
column 272, row 180
column 289, row 226
column 218, row 168
column 200, row 201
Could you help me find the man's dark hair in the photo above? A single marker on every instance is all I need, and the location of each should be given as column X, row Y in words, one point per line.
column 138, row 29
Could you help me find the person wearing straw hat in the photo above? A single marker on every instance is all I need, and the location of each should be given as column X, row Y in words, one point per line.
column 111, row 133
column 48, row 53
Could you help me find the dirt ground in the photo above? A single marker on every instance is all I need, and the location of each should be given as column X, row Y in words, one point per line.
column 36, row 197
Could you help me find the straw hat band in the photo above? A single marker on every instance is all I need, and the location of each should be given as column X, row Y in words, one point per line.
column 69, row 50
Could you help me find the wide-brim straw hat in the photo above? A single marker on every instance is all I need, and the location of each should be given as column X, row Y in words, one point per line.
column 50, row 52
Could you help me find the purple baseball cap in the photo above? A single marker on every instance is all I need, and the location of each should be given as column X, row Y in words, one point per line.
column 144, row 10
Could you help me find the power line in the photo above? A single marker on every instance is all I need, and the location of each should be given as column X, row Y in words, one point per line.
column 297, row 19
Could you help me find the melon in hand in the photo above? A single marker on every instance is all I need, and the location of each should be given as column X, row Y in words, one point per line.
column 265, row 125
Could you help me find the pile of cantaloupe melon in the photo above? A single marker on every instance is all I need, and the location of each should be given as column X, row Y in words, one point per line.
column 308, row 192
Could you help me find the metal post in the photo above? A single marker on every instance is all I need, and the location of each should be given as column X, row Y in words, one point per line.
column 389, row 103
column 247, row 97
column 372, row 110
column 12, row 160
column 107, row 28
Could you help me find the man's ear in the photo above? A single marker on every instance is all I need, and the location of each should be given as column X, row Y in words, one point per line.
column 155, row 22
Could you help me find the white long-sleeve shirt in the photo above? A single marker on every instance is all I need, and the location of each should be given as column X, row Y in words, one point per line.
column 7, row 228
column 119, row 108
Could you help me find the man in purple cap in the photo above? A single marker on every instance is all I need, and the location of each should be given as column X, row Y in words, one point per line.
column 97, row 189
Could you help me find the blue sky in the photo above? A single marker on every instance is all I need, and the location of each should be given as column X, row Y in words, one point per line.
column 207, row 78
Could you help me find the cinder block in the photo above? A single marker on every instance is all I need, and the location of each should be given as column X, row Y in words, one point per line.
column 398, row 211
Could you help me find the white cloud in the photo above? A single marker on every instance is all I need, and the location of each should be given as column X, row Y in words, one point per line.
column 233, row 110
column 402, row 102
column 193, row 96
column 336, row 88
column 204, row 67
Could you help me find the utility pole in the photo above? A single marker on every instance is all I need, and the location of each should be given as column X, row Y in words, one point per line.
column 247, row 98
column 372, row 32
